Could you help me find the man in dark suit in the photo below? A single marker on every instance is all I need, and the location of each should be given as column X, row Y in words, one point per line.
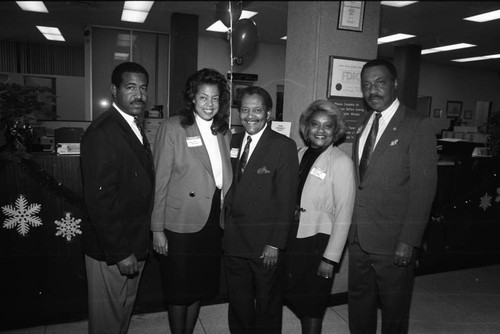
column 118, row 182
column 396, row 159
column 259, row 212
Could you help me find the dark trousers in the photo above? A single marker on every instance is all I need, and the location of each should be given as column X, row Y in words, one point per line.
column 375, row 281
column 254, row 298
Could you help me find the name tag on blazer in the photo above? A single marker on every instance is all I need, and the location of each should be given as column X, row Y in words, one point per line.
column 318, row 172
column 194, row 141
column 234, row 152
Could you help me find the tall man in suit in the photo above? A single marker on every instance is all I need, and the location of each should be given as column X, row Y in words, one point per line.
column 118, row 183
column 259, row 213
column 396, row 159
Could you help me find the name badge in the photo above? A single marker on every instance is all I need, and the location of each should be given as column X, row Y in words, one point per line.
column 194, row 141
column 318, row 172
column 234, row 152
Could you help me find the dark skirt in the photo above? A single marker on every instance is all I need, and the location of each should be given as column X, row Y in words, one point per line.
column 305, row 292
column 191, row 270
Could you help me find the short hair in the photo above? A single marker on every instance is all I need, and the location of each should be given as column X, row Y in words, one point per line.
column 327, row 106
column 206, row 76
column 117, row 75
column 255, row 90
column 381, row 62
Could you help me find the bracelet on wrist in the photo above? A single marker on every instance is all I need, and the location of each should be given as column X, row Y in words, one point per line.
column 333, row 263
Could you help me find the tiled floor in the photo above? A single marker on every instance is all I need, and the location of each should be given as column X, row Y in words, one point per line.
column 464, row 301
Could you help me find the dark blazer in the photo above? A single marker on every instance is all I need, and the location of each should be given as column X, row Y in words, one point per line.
column 260, row 207
column 185, row 183
column 118, row 184
column 394, row 200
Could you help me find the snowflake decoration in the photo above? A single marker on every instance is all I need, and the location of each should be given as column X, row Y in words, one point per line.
column 485, row 202
column 68, row 227
column 22, row 216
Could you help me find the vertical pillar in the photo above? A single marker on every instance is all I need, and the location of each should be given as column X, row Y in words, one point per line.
column 183, row 56
column 407, row 62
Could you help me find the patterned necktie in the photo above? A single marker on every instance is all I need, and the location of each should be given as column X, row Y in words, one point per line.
column 369, row 145
column 244, row 156
column 145, row 142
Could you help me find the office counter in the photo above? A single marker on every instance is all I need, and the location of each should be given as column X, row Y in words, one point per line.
column 43, row 274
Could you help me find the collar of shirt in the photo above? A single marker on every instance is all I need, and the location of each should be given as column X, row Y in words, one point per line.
column 130, row 121
column 384, row 120
column 253, row 144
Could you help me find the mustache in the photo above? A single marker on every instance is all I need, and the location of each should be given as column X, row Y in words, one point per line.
column 375, row 95
column 138, row 101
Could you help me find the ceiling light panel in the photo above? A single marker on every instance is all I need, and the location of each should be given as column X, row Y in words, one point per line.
column 393, row 38
column 464, row 60
column 398, row 4
column 490, row 16
column 33, row 6
column 447, row 48
column 136, row 11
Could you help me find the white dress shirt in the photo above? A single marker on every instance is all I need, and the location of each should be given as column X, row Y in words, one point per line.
column 255, row 140
column 130, row 120
column 385, row 118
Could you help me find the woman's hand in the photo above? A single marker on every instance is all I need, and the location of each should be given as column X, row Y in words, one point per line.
column 160, row 244
column 325, row 270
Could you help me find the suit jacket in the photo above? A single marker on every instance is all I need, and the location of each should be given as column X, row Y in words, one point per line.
column 327, row 200
column 261, row 206
column 394, row 200
column 185, row 183
column 118, row 184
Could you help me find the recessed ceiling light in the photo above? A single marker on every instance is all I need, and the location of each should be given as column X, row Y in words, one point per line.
column 397, row 3
column 136, row 11
column 51, row 33
column 220, row 27
column 283, row 38
column 393, row 38
column 490, row 16
column 464, row 60
column 33, row 6
column 447, row 48
column 217, row 27
column 247, row 14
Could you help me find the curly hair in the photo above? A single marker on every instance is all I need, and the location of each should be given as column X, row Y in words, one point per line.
column 203, row 77
column 332, row 110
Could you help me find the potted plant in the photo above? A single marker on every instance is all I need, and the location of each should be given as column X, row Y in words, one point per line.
column 19, row 108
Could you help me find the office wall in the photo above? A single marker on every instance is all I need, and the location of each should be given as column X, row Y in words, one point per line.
column 267, row 61
column 458, row 83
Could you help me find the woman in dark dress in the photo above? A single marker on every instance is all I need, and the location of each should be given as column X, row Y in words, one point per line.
column 325, row 205
column 193, row 173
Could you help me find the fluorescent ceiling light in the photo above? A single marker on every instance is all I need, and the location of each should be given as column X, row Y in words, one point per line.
column 142, row 6
column 490, row 16
column 220, row 27
column 51, row 33
column 283, row 38
column 464, row 60
column 134, row 16
column 247, row 14
column 398, row 4
column 121, row 56
column 136, row 11
column 447, row 48
column 393, row 38
column 217, row 27
column 52, row 37
column 33, row 6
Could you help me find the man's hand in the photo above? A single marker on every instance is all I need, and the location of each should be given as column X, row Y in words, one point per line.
column 160, row 244
column 270, row 256
column 403, row 254
column 128, row 266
